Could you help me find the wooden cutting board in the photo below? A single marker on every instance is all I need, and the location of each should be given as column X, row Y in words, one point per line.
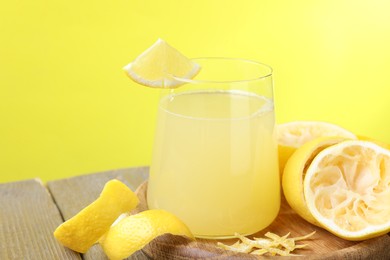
column 322, row 245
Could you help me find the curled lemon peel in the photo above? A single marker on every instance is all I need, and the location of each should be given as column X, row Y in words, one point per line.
column 84, row 229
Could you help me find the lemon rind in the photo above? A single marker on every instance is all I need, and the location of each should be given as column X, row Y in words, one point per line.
column 365, row 233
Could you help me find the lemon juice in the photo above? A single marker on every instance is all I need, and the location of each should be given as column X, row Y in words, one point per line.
column 215, row 162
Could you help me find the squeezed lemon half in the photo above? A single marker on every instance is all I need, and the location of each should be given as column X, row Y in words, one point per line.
column 294, row 134
column 347, row 189
column 341, row 185
column 295, row 171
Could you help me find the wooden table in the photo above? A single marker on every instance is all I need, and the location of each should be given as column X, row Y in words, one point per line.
column 30, row 211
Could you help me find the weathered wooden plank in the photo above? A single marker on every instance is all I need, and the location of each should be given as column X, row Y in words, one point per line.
column 28, row 217
column 73, row 194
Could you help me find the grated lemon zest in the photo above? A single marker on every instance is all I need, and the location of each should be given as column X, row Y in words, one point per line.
column 273, row 244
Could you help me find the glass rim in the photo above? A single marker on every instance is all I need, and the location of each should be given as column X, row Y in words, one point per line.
column 242, row 60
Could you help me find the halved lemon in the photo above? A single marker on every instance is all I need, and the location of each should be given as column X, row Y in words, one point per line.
column 347, row 189
column 134, row 232
column 159, row 65
column 295, row 170
column 294, row 134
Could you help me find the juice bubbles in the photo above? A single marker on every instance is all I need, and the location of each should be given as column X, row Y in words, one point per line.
column 215, row 161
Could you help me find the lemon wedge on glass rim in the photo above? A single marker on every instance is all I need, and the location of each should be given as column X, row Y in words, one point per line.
column 158, row 66
column 292, row 135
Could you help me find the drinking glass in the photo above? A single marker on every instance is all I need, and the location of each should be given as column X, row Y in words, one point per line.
column 215, row 163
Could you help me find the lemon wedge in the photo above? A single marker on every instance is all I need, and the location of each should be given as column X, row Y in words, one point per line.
column 294, row 134
column 347, row 189
column 84, row 229
column 134, row 232
column 159, row 65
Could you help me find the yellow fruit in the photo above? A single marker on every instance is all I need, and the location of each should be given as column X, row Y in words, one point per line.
column 295, row 170
column 80, row 232
column 292, row 135
column 347, row 189
column 134, row 232
column 380, row 143
column 159, row 65
column 284, row 154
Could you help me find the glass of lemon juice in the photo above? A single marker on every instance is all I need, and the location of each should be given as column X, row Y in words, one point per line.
column 214, row 160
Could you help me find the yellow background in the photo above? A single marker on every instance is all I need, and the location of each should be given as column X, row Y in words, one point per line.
column 66, row 107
